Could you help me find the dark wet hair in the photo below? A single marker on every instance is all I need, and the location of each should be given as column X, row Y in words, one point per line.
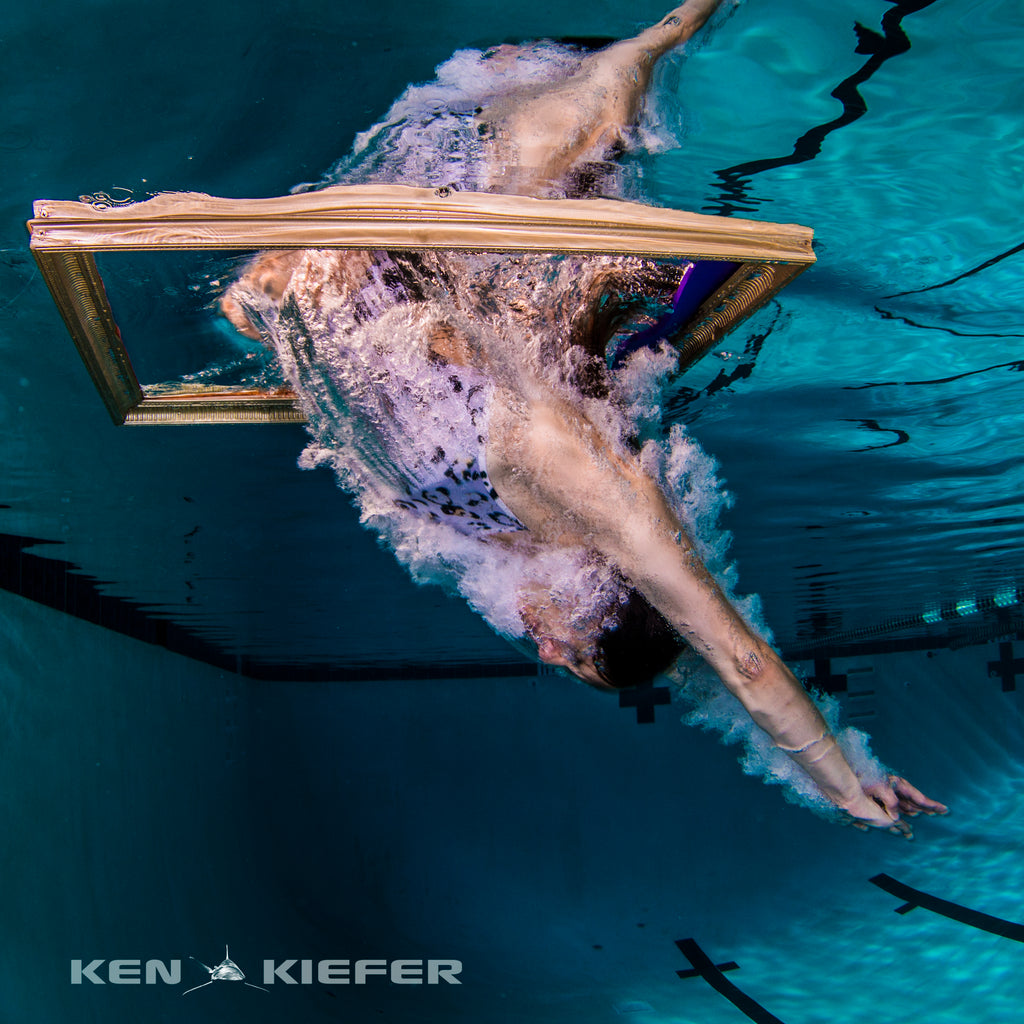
column 639, row 646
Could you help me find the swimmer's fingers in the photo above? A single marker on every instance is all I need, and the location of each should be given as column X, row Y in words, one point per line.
column 882, row 805
column 870, row 810
column 231, row 310
column 912, row 801
column 896, row 828
column 901, row 828
column 884, row 794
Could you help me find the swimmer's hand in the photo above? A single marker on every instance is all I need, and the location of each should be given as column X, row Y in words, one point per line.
column 231, row 310
column 880, row 805
column 270, row 273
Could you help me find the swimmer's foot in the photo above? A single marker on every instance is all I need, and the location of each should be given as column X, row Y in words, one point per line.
column 679, row 24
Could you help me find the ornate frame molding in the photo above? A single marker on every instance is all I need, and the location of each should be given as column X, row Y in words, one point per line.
column 66, row 235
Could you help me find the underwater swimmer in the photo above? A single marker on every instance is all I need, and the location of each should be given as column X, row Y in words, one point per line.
column 516, row 357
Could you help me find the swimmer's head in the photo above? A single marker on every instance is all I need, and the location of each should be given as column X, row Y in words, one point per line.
column 640, row 645
column 561, row 638
column 626, row 649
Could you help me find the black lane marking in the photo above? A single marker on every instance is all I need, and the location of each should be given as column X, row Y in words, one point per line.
column 64, row 587
column 694, row 973
column 891, row 43
column 954, row 911
column 959, row 277
column 713, row 975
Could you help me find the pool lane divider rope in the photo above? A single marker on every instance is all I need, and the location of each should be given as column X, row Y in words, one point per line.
column 65, row 587
column 704, row 967
column 954, row 911
column 1002, row 609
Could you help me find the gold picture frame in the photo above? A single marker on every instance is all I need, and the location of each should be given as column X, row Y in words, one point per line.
column 65, row 236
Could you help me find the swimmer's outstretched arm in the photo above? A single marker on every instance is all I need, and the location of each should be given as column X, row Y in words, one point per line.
column 559, row 477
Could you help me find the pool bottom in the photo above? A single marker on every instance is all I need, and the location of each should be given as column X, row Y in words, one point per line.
column 528, row 828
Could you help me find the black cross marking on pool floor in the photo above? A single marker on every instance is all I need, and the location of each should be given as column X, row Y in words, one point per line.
column 704, row 967
column 644, row 698
column 713, row 974
column 954, row 911
column 823, row 678
column 1007, row 667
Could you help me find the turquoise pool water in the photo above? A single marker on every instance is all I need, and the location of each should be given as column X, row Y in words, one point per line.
column 868, row 424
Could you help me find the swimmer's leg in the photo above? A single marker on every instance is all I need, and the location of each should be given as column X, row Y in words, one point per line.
column 632, row 59
column 540, row 133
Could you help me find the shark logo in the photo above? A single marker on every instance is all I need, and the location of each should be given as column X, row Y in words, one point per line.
column 226, row 970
